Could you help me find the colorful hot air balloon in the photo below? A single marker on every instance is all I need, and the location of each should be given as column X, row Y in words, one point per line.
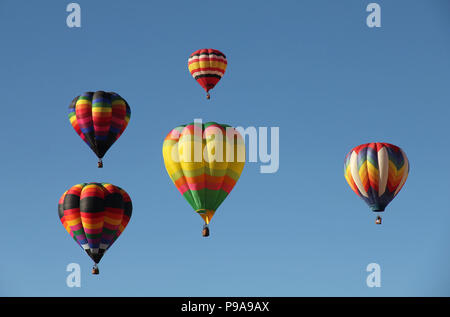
column 207, row 66
column 376, row 172
column 95, row 214
column 204, row 161
column 99, row 118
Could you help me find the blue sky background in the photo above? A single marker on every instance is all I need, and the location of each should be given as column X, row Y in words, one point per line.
column 312, row 68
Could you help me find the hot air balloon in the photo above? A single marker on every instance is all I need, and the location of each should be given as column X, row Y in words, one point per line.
column 204, row 162
column 99, row 118
column 207, row 66
column 95, row 215
column 376, row 172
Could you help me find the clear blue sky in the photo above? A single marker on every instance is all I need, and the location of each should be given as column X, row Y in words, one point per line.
column 312, row 68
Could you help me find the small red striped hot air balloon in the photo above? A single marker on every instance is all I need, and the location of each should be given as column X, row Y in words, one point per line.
column 207, row 66
column 376, row 172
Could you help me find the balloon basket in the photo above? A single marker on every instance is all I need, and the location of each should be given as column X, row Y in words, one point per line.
column 208, row 96
column 378, row 220
column 100, row 164
column 205, row 231
column 95, row 270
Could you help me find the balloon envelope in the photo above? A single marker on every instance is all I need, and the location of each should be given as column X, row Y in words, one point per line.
column 95, row 215
column 207, row 66
column 376, row 172
column 99, row 118
column 204, row 162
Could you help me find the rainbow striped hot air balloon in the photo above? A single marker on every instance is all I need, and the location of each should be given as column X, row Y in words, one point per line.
column 95, row 215
column 207, row 66
column 376, row 172
column 99, row 118
column 204, row 161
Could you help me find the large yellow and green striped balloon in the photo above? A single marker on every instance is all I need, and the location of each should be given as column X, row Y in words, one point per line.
column 204, row 161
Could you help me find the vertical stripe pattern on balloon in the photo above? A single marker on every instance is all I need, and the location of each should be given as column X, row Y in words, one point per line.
column 376, row 172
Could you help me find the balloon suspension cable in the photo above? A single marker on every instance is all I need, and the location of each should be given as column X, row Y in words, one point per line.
column 378, row 220
column 95, row 269
column 205, row 231
column 100, row 163
column 208, row 96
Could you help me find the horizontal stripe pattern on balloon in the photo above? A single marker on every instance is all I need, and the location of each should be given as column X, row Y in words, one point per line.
column 204, row 162
column 99, row 118
column 95, row 215
column 207, row 66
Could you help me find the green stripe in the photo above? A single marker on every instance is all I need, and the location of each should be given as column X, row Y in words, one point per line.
column 109, row 231
column 205, row 198
column 78, row 232
column 93, row 235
